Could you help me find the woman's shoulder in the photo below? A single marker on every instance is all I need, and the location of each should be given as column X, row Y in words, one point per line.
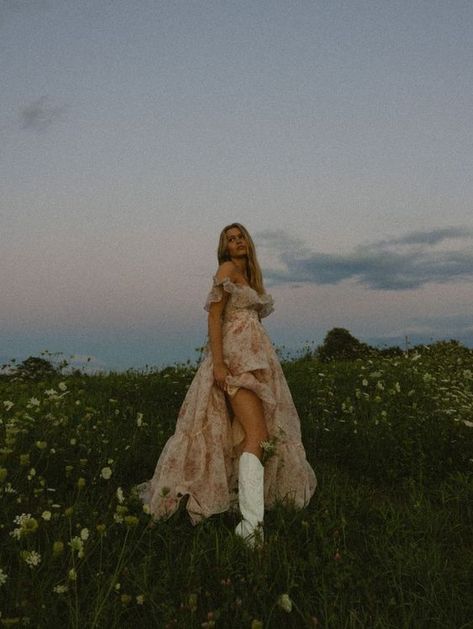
column 226, row 269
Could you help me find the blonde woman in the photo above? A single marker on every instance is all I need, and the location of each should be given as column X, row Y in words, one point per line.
column 238, row 411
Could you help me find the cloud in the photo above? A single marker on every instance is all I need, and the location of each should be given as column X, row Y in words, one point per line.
column 404, row 263
column 40, row 115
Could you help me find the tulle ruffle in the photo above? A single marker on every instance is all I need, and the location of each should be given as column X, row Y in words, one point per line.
column 243, row 296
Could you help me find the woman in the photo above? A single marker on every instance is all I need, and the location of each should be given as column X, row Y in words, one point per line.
column 238, row 411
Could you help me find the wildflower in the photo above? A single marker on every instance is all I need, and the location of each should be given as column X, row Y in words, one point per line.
column 467, row 423
column 139, row 419
column 27, row 526
column 120, row 496
column 140, row 599
column 101, row 528
column 81, row 482
column 256, row 624
column 285, row 603
column 125, row 599
column 269, row 448
column 24, row 459
column 62, row 386
column 41, row 445
column 32, row 558
column 3, row 577
column 77, row 544
column 72, row 575
column 8, row 404
column 364, row 382
column 106, row 473
column 73, row 441
column 84, row 534
column 46, row 515
column 60, row 589
column 131, row 520
column 397, row 386
column 58, row 548
column 68, row 511
column 33, row 401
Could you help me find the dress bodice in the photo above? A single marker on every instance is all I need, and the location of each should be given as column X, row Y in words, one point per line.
column 243, row 298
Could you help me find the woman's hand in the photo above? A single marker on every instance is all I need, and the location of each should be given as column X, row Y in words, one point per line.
column 221, row 371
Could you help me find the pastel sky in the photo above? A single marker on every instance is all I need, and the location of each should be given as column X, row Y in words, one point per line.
column 339, row 133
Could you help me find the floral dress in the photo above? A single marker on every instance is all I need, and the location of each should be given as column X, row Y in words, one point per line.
column 200, row 460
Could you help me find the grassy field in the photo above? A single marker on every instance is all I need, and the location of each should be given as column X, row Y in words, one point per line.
column 387, row 540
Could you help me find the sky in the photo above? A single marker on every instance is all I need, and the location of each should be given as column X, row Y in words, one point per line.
column 339, row 133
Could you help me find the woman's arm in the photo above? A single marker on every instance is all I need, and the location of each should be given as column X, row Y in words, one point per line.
column 215, row 327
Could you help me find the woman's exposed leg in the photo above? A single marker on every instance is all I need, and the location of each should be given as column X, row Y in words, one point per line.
column 248, row 409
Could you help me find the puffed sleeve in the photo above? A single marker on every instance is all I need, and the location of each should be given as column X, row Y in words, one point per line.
column 216, row 291
column 267, row 305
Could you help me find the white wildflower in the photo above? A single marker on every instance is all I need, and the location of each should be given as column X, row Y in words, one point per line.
column 62, row 386
column 60, row 589
column 285, row 603
column 120, row 496
column 46, row 515
column 32, row 558
column 34, row 401
column 106, row 473
column 84, row 534
column 3, row 577
column 467, row 423
column 8, row 404
column 139, row 419
column 376, row 374
column 77, row 544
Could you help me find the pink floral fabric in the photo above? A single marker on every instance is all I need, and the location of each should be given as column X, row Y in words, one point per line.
column 200, row 460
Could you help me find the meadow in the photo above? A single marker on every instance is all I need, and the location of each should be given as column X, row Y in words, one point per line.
column 386, row 541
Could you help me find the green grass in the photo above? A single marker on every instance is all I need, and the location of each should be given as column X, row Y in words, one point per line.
column 386, row 541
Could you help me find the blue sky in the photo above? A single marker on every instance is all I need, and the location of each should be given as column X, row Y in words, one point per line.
column 339, row 133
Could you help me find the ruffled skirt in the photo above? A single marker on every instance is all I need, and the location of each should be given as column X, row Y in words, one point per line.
column 200, row 460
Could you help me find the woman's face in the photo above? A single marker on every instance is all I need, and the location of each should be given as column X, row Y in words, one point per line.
column 237, row 246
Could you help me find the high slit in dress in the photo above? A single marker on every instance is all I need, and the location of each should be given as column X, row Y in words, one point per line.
column 200, row 460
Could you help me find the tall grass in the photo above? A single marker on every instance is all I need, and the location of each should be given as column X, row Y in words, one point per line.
column 386, row 542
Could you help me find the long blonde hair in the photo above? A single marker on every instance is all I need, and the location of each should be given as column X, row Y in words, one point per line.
column 255, row 277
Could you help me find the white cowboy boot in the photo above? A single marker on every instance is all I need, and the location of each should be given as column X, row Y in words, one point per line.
column 250, row 498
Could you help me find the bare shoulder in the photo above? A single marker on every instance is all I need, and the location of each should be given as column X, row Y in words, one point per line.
column 226, row 269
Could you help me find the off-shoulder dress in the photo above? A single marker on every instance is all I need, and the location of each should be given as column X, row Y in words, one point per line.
column 200, row 460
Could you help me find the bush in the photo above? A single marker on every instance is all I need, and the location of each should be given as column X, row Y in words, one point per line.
column 339, row 344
